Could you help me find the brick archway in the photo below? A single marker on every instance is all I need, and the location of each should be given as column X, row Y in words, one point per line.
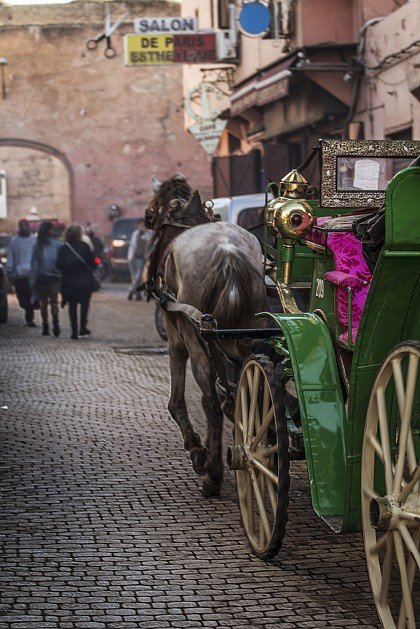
column 59, row 193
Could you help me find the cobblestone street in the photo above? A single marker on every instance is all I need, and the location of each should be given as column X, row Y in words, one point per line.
column 102, row 521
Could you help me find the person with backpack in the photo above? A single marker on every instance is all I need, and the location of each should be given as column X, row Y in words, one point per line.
column 137, row 255
column 77, row 265
column 18, row 268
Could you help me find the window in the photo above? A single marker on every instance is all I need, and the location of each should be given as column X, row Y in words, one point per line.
column 223, row 13
column 406, row 134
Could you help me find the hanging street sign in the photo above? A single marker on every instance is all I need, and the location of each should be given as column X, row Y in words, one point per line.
column 254, row 19
column 208, row 134
column 165, row 25
column 208, row 127
column 150, row 50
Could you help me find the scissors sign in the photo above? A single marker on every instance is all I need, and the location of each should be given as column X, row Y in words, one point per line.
column 109, row 28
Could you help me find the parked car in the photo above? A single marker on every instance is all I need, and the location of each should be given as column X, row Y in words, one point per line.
column 122, row 230
column 3, row 294
column 58, row 226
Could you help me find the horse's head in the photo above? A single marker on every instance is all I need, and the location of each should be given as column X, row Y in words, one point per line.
column 171, row 190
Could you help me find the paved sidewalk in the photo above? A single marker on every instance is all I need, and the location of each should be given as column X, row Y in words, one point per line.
column 102, row 524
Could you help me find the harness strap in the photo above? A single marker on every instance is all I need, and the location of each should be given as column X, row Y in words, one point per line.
column 209, row 347
column 192, row 313
column 177, row 224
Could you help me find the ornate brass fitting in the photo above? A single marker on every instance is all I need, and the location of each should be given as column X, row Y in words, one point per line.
column 289, row 217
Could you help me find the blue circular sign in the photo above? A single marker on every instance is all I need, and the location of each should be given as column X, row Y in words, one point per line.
column 254, row 19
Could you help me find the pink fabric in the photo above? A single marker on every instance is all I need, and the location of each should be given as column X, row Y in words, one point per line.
column 343, row 279
column 345, row 335
column 348, row 258
column 316, row 235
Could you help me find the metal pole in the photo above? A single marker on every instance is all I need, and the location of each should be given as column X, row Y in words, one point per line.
column 232, row 24
column 3, row 64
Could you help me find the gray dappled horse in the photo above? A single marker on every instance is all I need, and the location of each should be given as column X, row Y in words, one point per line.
column 217, row 268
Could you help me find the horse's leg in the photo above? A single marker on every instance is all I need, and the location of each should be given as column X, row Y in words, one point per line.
column 178, row 356
column 205, row 378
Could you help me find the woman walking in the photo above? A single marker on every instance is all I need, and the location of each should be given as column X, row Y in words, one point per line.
column 76, row 263
column 45, row 276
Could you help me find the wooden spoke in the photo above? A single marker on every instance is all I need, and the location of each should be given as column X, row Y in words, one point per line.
column 267, row 453
column 408, row 603
column 399, row 383
column 408, row 540
column 260, row 503
column 244, row 405
column 377, row 447
column 386, row 570
column 384, row 431
column 271, row 493
column 369, row 493
column 409, row 487
column 380, row 544
column 264, row 427
column 410, row 573
column 411, row 454
column 250, row 507
column 266, row 399
column 405, row 420
column 253, row 386
column 264, row 470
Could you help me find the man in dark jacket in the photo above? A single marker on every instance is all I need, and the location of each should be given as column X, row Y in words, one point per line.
column 76, row 262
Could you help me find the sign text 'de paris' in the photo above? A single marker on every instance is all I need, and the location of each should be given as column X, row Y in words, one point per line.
column 165, row 25
column 142, row 50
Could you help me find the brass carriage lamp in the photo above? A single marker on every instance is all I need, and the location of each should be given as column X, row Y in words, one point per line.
column 289, row 217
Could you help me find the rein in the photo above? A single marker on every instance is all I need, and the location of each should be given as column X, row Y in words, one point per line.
column 178, row 224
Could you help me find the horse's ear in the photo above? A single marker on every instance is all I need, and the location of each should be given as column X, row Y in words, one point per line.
column 196, row 196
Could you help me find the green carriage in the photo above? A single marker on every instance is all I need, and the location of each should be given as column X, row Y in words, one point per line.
column 343, row 387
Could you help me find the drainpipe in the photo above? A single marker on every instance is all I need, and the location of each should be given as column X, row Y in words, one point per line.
column 232, row 25
column 356, row 74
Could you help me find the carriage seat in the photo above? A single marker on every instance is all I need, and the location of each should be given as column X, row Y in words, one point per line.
column 350, row 269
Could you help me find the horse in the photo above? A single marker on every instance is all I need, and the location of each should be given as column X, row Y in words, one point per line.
column 216, row 268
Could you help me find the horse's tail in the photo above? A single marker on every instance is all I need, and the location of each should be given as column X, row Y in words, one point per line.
column 227, row 290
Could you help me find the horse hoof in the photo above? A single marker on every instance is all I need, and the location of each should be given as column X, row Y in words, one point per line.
column 210, row 487
column 198, row 458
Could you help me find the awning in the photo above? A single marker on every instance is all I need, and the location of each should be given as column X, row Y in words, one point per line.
column 268, row 86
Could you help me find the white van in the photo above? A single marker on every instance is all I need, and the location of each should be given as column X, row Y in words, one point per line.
column 244, row 210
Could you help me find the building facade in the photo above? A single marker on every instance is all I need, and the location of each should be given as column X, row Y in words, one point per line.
column 325, row 69
column 80, row 131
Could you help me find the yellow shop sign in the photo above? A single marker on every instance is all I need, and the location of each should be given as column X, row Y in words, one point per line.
column 169, row 49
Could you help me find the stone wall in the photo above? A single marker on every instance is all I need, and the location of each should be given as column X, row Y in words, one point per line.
column 111, row 126
column 34, row 179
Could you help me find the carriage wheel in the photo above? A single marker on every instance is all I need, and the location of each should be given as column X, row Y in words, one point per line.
column 391, row 488
column 260, row 458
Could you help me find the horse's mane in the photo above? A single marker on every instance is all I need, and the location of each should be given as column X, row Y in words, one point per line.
column 176, row 187
column 174, row 207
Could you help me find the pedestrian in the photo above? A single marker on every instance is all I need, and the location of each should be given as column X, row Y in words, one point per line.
column 18, row 268
column 77, row 264
column 98, row 245
column 137, row 255
column 45, row 276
